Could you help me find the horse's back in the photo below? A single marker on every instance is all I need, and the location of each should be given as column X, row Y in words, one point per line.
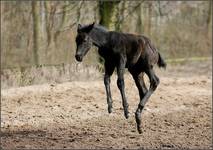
column 138, row 48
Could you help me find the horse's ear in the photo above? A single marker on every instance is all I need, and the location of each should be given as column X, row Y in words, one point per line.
column 89, row 28
column 79, row 27
column 93, row 24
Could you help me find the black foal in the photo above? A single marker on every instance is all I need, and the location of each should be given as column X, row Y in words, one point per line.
column 120, row 51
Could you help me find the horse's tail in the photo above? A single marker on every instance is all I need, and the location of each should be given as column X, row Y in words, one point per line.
column 161, row 61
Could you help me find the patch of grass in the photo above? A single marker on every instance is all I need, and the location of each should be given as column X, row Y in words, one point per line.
column 23, row 76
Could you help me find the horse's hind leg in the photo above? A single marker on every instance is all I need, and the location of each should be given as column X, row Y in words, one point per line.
column 154, row 81
column 139, row 81
column 109, row 68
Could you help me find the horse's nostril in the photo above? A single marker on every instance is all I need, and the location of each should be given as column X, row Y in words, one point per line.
column 78, row 57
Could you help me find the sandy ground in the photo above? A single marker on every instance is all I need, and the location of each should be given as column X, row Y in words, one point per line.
column 74, row 114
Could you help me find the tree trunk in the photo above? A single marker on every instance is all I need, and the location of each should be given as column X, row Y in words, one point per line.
column 50, row 27
column 139, row 27
column 107, row 10
column 149, row 18
column 209, row 16
column 120, row 16
column 62, row 22
column 35, row 15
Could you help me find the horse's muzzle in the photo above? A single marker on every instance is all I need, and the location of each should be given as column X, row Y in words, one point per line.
column 79, row 58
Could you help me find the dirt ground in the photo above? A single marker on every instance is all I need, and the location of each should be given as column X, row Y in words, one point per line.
column 74, row 114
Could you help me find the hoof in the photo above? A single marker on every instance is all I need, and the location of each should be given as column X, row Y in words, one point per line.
column 110, row 109
column 138, row 118
column 126, row 114
column 138, row 121
column 139, row 130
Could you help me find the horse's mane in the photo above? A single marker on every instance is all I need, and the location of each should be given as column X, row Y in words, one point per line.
column 102, row 28
column 96, row 26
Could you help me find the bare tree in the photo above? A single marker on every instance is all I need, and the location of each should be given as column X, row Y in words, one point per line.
column 35, row 15
column 139, row 27
column 107, row 10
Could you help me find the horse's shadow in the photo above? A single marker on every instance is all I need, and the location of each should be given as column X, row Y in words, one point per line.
column 23, row 133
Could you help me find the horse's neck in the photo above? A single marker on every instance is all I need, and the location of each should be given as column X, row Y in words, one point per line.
column 99, row 37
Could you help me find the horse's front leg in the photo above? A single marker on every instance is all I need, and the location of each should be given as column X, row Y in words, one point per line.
column 121, row 85
column 109, row 68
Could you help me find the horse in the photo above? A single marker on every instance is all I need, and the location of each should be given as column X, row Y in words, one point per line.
column 122, row 50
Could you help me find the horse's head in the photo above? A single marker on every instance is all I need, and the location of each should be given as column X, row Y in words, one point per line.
column 83, row 41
